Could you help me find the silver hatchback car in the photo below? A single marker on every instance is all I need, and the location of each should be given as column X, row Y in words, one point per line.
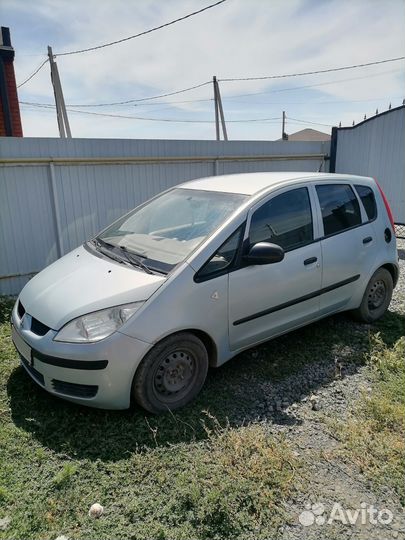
column 198, row 274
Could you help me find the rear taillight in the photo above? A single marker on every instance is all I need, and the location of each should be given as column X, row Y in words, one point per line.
column 387, row 206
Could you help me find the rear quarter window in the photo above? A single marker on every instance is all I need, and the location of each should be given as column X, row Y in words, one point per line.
column 366, row 195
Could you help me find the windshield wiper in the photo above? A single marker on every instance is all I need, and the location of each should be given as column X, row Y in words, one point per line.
column 98, row 242
column 129, row 257
column 135, row 260
column 107, row 249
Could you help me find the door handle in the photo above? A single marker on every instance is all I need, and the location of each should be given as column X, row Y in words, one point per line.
column 367, row 240
column 311, row 260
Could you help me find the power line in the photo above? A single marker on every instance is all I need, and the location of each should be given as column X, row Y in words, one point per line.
column 174, row 120
column 302, row 125
column 286, row 89
column 259, row 103
column 50, row 106
column 329, row 70
column 141, row 33
column 191, row 121
column 151, row 106
column 307, row 121
column 291, row 120
column 275, row 119
column 138, row 100
column 34, row 73
column 323, row 102
column 144, row 99
column 127, row 39
column 293, row 88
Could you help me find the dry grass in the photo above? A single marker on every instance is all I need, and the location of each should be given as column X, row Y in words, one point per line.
column 374, row 436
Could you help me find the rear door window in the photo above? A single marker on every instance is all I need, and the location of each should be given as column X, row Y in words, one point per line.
column 367, row 198
column 340, row 208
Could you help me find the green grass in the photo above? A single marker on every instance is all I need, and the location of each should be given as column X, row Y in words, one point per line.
column 374, row 435
column 230, row 484
column 177, row 476
column 208, row 471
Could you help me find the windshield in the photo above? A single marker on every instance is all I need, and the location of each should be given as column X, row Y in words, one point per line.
column 168, row 228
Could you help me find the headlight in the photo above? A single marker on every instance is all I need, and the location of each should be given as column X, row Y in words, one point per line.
column 97, row 325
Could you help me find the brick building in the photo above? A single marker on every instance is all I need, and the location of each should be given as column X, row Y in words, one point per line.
column 10, row 118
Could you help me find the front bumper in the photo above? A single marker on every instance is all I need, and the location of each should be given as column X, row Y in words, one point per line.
column 94, row 374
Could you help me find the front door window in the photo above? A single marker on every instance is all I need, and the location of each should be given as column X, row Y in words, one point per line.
column 285, row 220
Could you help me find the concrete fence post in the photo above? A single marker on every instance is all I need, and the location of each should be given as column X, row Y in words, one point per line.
column 55, row 211
column 215, row 167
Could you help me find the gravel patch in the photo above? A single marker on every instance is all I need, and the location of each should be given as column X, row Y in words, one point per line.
column 297, row 407
column 398, row 299
column 330, row 380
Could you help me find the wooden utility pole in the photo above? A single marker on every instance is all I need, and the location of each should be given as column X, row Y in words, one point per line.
column 219, row 111
column 63, row 121
column 284, row 135
column 214, row 82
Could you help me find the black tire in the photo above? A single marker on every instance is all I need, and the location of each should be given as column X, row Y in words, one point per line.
column 171, row 374
column 377, row 297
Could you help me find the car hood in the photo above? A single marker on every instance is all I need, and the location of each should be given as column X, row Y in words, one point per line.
column 82, row 282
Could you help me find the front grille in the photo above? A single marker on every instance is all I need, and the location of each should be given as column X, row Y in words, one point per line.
column 20, row 310
column 33, row 372
column 38, row 328
column 74, row 390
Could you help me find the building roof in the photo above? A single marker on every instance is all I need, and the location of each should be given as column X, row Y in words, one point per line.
column 309, row 134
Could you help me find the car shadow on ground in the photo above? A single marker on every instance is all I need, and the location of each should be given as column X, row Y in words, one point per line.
column 257, row 384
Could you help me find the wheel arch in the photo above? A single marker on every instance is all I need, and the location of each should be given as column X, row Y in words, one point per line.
column 393, row 270
column 207, row 340
column 209, row 344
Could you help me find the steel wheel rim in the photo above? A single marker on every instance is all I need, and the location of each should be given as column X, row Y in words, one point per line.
column 174, row 375
column 377, row 295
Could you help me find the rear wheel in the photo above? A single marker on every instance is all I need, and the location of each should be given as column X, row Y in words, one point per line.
column 377, row 297
column 171, row 374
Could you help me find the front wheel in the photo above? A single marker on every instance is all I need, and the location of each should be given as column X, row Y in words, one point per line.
column 377, row 297
column 171, row 374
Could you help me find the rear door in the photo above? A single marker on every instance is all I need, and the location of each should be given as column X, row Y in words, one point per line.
column 348, row 244
column 265, row 300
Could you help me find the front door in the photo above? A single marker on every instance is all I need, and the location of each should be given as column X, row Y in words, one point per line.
column 266, row 300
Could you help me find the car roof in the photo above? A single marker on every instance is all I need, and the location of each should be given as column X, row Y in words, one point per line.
column 252, row 183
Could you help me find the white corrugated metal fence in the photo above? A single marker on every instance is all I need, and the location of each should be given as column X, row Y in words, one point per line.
column 56, row 193
column 376, row 148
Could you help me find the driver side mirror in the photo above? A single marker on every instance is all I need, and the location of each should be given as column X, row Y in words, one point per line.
column 264, row 253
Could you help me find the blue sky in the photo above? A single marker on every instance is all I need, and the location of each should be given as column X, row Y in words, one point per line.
column 239, row 38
